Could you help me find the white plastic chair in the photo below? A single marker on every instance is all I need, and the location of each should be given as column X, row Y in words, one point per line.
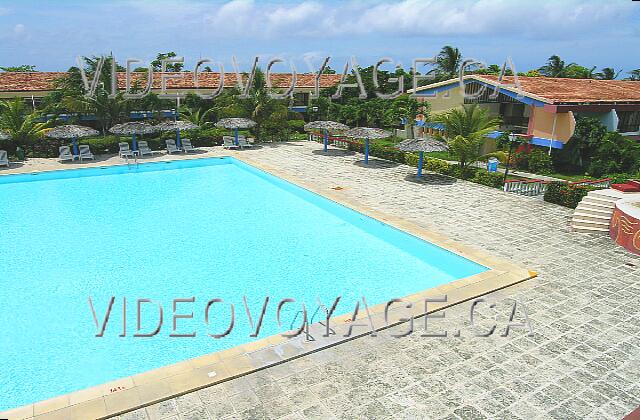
column 186, row 145
column 85, row 152
column 4, row 160
column 64, row 153
column 228, row 142
column 125, row 150
column 171, row 146
column 144, row 149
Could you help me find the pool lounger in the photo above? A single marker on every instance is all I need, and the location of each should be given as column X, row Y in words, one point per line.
column 242, row 141
column 85, row 152
column 171, row 147
column 228, row 142
column 4, row 161
column 64, row 153
column 186, row 146
column 144, row 149
column 125, row 151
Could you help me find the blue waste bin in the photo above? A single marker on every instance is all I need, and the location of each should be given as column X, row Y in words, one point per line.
column 492, row 164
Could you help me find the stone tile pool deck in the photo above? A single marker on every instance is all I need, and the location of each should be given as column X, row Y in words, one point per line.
column 583, row 360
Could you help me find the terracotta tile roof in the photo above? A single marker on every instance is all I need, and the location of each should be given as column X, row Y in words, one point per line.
column 559, row 90
column 43, row 81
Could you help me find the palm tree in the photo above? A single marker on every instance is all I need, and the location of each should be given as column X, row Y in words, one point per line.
column 608, row 73
column 108, row 111
column 634, row 75
column 555, row 67
column 198, row 116
column 465, row 129
column 448, row 61
column 21, row 125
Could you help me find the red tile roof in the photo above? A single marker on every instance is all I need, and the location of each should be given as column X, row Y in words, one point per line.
column 43, row 81
column 559, row 90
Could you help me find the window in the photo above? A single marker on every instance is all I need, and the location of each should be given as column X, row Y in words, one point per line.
column 628, row 121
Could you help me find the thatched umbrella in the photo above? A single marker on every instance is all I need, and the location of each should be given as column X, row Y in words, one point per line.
column 367, row 133
column 235, row 124
column 177, row 126
column 132, row 129
column 422, row 145
column 326, row 127
column 73, row 132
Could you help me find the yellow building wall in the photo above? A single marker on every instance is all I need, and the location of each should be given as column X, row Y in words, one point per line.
column 444, row 101
column 543, row 125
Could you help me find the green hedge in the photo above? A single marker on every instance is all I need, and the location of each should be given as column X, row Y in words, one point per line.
column 48, row 148
column 490, row 179
column 566, row 194
column 296, row 126
column 619, row 178
column 477, row 175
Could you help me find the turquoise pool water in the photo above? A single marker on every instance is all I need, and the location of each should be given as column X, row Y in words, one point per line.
column 202, row 228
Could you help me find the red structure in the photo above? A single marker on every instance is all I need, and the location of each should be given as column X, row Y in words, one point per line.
column 625, row 225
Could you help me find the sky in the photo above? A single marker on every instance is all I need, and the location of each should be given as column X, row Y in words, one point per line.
column 52, row 34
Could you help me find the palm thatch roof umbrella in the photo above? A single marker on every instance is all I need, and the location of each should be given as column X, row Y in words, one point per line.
column 177, row 126
column 235, row 124
column 326, row 127
column 422, row 145
column 367, row 133
column 132, row 129
column 73, row 132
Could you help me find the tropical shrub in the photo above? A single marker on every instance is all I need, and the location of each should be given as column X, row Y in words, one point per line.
column 565, row 194
column 615, row 154
column 490, row 179
column 539, row 162
column 619, row 178
column 296, row 125
column 437, row 165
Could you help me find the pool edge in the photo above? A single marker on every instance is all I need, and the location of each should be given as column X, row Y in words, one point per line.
column 147, row 388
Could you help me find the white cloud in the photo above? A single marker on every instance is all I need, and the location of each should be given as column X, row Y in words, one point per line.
column 19, row 29
column 417, row 18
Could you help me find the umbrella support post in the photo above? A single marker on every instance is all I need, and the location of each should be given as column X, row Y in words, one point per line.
column 420, row 163
column 134, row 143
column 326, row 141
column 76, row 151
column 235, row 134
column 366, row 151
column 178, row 142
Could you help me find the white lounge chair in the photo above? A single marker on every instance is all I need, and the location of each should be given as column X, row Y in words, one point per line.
column 171, row 146
column 242, row 142
column 125, row 150
column 85, row 152
column 144, row 149
column 64, row 153
column 4, row 160
column 228, row 142
column 186, row 145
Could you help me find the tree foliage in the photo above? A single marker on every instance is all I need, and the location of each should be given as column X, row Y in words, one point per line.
column 20, row 123
column 19, row 69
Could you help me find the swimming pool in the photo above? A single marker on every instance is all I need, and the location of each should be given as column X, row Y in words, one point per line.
column 202, row 228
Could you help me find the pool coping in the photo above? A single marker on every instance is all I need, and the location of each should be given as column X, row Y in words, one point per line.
column 150, row 387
